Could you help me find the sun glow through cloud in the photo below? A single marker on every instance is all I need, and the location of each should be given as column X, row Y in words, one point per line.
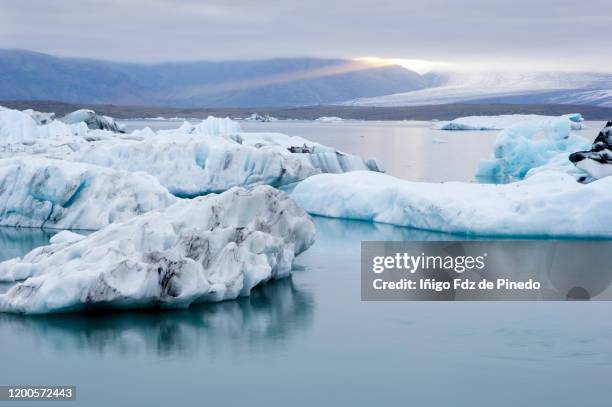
column 418, row 65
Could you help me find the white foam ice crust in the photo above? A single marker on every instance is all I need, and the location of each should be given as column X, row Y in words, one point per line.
column 205, row 249
column 546, row 204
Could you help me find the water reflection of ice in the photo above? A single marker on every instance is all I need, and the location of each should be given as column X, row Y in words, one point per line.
column 270, row 316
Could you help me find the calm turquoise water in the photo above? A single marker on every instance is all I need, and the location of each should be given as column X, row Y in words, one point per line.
column 309, row 340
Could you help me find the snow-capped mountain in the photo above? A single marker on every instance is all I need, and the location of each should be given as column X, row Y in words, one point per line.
column 503, row 87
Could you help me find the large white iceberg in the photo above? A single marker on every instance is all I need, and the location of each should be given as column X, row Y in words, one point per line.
column 502, row 122
column 545, row 204
column 189, row 166
column 527, row 145
column 56, row 194
column 205, row 249
column 194, row 159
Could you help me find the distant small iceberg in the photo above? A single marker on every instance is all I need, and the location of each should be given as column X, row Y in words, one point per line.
column 502, row 122
column 329, row 119
column 256, row 117
column 93, row 121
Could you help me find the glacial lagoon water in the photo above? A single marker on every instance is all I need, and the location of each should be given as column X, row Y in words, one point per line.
column 309, row 340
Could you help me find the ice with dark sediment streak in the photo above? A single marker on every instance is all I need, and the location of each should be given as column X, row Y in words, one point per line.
column 205, row 249
column 56, row 194
column 596, row 162
column 93, row 121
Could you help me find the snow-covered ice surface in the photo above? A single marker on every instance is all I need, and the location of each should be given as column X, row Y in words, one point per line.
column 597, row 161
column 205, row 249
column 532, row 146
column 56, row 194
column 503, row 121
column 545, row 204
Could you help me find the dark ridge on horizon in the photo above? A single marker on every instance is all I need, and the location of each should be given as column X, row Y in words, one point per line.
column 427, row 112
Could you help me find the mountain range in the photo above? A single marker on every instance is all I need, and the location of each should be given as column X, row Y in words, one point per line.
column 27, row 75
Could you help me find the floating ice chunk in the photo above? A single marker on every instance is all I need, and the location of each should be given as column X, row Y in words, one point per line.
column 93, row 120
column 527, row 145
column 546, row 204
column 212, row 126
column 256, row 117
column 324, row 158
column 56, row 194
column 503, row 121
column 596, row 162
column 195, row 159
column 211, row 248
column 19, row 133
column 17, row 127
column 329, row 119
column 438, row 141
column 189, row 165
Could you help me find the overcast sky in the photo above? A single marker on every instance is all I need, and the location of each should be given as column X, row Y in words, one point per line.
column 546, row 34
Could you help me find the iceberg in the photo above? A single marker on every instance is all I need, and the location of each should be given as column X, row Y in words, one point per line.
column 597, row 161
column 40, row 117
column 194, row 159
column 211, row 126
column 546, row 204
column 502, row 122
column 55, row 194
column 189, row 166
column 93, row 120
column 319, row 156
column 215, row 155
column 525, row 146
column 20, row 133
column 329, row 119
column 256, row 117
column 205, row 249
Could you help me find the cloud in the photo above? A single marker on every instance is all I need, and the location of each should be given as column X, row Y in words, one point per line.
column 530, row 33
